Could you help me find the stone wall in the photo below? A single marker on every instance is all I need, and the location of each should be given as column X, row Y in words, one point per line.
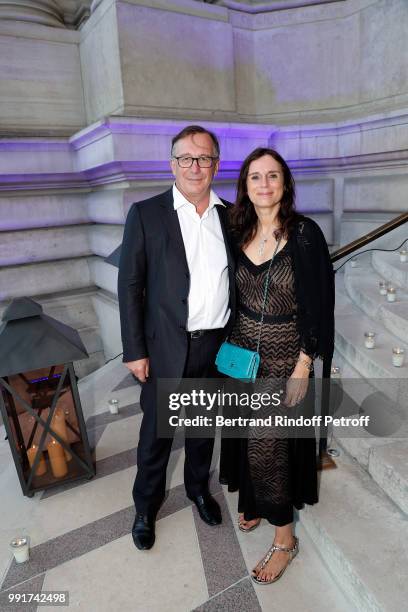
column 184, row 58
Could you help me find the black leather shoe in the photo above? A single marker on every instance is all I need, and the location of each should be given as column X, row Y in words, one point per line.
column 208, row 509
column 143, row 532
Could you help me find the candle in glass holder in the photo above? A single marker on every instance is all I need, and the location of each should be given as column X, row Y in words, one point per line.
column 57, row 459
column 398, row 355
column 42, row 466
column 383, row 287
column 335, row 372
column 21, row 549
column 369, row 340
column 403, row 256
column 113, row 406
column 59, row 425
column 391, row 294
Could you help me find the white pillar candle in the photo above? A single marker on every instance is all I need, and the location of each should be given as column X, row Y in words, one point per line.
column 398, row 355
column 391, row 294
column 20, row 548
column 369, row 340
column 113, row 406
column 383, row 287
column 403, row 256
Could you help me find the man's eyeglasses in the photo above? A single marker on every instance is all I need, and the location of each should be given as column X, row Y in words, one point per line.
column 186, row 161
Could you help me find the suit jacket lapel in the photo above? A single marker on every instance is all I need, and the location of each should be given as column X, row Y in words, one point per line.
column 172, row 225
column 222, row 213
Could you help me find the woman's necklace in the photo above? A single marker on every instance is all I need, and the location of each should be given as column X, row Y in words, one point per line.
column 261, row 248
column 264, row 240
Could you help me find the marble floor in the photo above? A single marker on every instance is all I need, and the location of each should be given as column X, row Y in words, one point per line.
column 81, row 538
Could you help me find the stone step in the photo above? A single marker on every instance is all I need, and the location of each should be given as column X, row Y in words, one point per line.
column 390, row 268
column 85, row 367
column 50, row 244
column 370, row 363
column 107, row 309
column 18, row 212
column 362, row 287
column 44, row 278
column 358, row 446
column 54, row 243
column 103, row 275
column 362, row 537
column 382, row 457
column 389, row 468
column 104, row 238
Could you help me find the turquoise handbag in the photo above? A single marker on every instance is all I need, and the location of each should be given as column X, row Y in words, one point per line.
column 238, row 362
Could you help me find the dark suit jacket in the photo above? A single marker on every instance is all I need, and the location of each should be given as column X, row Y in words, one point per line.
column 153, row 285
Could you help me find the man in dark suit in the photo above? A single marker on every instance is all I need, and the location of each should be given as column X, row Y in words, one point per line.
column 176, row 296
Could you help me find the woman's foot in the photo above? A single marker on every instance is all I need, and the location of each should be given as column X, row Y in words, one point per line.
column 245, row 526
column 272, row 566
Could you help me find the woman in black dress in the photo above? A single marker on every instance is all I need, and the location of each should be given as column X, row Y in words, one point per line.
column 276, row 474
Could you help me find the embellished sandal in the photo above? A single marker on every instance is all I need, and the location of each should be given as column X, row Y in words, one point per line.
column 292, row 554
column 241, row 522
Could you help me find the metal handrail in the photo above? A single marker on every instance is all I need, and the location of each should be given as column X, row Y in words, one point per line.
column 367, row 238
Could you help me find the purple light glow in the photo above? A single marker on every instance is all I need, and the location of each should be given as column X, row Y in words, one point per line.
column 36, row 380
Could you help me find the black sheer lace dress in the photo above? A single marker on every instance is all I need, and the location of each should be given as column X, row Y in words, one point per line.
column 273, row 475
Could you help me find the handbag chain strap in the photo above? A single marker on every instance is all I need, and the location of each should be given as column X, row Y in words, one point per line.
column 266, row 294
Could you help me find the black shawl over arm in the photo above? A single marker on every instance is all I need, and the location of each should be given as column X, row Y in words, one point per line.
column 314, row 280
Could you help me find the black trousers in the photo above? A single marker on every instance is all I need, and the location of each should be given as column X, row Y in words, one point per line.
column 153, row 453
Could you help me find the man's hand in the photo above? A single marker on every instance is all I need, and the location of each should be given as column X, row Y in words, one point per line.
column 140, row 368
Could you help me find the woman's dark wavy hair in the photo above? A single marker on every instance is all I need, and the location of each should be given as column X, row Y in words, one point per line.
column 243, row 218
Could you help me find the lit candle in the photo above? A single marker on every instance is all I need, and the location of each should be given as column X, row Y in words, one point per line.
column 403, row 256
column 353, row 263
column 335, row 372
column 42, row 466
column 391, row 294
column 59, row 425
column 398, row 357
column 113, row 406
column 369, row 340
column 20, row 548
column 383, row 287
column 57, row 459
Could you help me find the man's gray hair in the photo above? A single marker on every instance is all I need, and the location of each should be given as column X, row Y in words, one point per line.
column 190, row 130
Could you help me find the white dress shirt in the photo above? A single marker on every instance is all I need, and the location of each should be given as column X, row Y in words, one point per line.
column 207, row 262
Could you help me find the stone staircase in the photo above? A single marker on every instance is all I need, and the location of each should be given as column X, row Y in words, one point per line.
column 360, row 526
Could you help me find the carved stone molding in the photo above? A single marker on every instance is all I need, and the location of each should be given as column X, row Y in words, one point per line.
column 266, row 6
column 54, row 13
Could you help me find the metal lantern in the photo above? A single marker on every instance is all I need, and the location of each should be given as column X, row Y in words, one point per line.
column 39, row 398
